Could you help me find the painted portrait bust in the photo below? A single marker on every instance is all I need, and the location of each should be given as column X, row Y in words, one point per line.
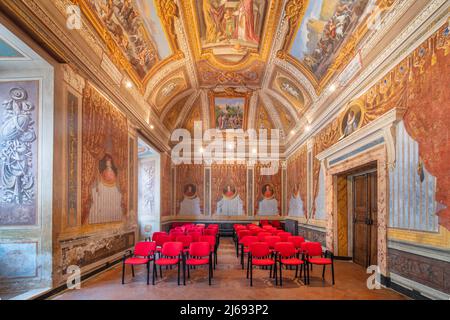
column 106, row 196
column 268, row 206
column 191, row 202
column 231, row 203
column 351, row 121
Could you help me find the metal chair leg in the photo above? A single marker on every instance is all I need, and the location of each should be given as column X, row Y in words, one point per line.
column 332, row 272
column 123, row 272
column 323, row 272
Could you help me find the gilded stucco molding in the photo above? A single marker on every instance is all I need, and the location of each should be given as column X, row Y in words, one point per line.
column 186, row 109
column 275, row 117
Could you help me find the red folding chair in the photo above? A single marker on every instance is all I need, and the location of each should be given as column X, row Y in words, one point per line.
column 314, row 255
column 260, row 256
column 185, row 240
column 213, row 243
column 245, row 242
column 297, row 242
column 144, row 253
column 199, row 254
column 262, row 235
column 272, row 241
column 284, row 236
column 241, row 234
column 287, row 256
column 195, row 235
column 171, row 255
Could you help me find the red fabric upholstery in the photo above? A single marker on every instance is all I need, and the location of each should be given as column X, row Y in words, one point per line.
column 292, row 262
column 137, row 261
column 263, row 262
column 284, row 236
column 272, row 240
column 312, row 249
column 197, row 262
column 296, row 241
column 259, row 249
column 285, row 249
column 320, row 261
column 186, row 240
column 157, row 234
column 195, row 236
column 172, row 249
column 167, row 261
column 162, row 238
column 144, row 249
column 263, row 235
column 200, row 249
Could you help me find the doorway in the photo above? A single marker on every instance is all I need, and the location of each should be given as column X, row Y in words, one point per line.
column 149, row 190
column 364, row 217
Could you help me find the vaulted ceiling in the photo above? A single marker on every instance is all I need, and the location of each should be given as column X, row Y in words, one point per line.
column 267, row 61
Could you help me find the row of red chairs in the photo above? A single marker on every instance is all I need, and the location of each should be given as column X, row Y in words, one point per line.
column 171, row 254
column 271, row 250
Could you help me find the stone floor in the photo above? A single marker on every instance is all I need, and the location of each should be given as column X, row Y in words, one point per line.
column 230, row 283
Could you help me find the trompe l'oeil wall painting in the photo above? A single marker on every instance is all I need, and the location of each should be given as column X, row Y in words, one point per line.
column 105, row 160
column 18, row 152
column 229, row 189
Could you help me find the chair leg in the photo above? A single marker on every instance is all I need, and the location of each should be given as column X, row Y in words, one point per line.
column 281, row 275
column 123, row 272
column 332, row 272
column 304, row 273
column 178, row 272
column 276, row 274
column 132, row 270
column 248, row 266
column 148, row 273
column 296, row 272
column 242, row 257
column 210, row 270
column 189, row 273
column 251, row 274
column 184, row 271
column 160, row 272
column 155, row 271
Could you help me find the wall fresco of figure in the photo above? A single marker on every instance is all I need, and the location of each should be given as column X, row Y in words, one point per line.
column 229, row 189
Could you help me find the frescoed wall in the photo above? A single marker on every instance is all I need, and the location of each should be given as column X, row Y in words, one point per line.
column 190, row 190
column 267, row 192
column 297, row 184
column 104, row 181
column 229, row 191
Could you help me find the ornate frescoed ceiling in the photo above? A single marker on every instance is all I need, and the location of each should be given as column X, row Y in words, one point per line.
column 278, row 54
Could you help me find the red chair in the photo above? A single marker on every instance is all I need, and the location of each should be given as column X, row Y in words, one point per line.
column 276, row 224
column 157, row 234
column 213, row 244
column 174, row 235
column 195, row 236
column 185, row 240
column 264, row 223
column 260, row 256
column 297, row 242
column 144, row 253
column 241, row 234
column 263, row 235
column 272, row 241
column 245, row 242
column 284, row 236
column 171, row 255
column 160, row 240
column 199, row 254
column 288, row 256
column 314, row 255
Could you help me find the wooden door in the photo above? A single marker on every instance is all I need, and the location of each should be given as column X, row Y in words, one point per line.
column 364, row 219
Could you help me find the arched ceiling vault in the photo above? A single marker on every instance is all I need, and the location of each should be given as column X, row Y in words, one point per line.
column 280, row 53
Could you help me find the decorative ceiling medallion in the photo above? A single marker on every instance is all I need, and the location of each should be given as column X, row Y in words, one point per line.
column 231, row 34
column 124, row 31
column 168, row 89
column 328, row 35
column 291, row 91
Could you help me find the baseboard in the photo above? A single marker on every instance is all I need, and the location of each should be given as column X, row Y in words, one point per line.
column 84, row 277
column 410, row 292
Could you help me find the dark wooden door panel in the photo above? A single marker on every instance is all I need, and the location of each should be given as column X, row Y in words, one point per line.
column 365, row 219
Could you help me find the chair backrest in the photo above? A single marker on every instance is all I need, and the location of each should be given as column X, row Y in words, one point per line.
column 210, row 239
column 210, row 232
column 264, row 222
column 144, row 249
column 157, row 234
column 200, row 225
column 272, row 240
column 263, row 235
column 162, row 238
column 186, row 240
column 267, row 226
column 285, row 249
column 195, row 236
column 296, row 241
column 312, row 249
column 284, row 236
column 259, row 249
column 172, row 249
column 199, row 249
column 276, row 223
column 243, row 233
column 247, row 240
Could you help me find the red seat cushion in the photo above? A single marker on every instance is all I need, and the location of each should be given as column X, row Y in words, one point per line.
column 321, row 261
column 137, row 260
column 263, row 262
column 292, row 262
column 197, row 262
column 166, row 261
